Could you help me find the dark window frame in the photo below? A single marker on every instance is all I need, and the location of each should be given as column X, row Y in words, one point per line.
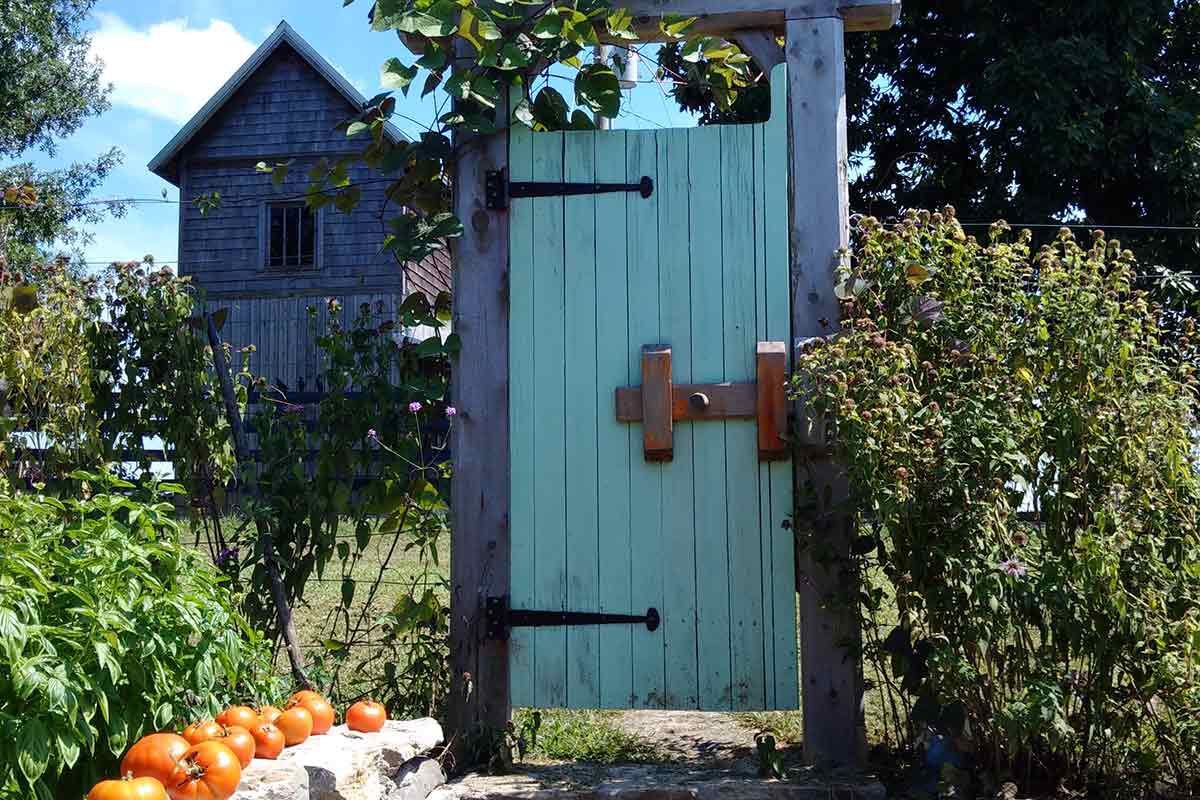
column 291, row 240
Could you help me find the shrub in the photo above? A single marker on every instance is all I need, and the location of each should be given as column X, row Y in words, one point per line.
column 91, row 367
column 109, row 629
column 350, row 488
column 1019, row 441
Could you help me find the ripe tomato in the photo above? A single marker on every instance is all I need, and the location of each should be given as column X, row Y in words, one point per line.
column 154, row 756
column 239, row 740
column 128, row 789
column 201, row 731
column 304, row 694
column 207, row 771
column 366, row 716
column 296, row 724
column 268, row 740
column 268, row 714
column 238, row 715
column 322, row 713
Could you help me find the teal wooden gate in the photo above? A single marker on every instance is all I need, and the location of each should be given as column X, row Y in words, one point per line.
column 700, row 266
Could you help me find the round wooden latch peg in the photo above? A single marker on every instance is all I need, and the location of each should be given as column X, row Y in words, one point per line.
column 699, row 401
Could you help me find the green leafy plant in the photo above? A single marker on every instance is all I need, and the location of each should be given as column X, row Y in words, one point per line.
column 91, row 368
column 362, row 471
column 1020, row 442
column 109, row 629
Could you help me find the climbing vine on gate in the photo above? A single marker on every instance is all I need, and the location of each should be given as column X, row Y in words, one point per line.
column 511, row 43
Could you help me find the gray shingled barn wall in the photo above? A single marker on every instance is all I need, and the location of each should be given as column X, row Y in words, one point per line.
column 285, row 112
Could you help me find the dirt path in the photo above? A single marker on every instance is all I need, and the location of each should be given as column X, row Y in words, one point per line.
column 693, row 737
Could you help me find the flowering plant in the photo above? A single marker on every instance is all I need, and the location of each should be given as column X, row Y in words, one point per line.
column 1019, row 441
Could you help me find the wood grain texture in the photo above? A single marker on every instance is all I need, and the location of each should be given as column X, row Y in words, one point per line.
column 615, row 444
column 778, row 478
column 647, row 551
column 832, row 678
column 772, row 405
column 696, row 537
column 479, row 562
column 582, row 419
column 550, row 428
column 705, row 225
column 738, row 15
column 521, row 392
column 657, row 421
column 726, row 401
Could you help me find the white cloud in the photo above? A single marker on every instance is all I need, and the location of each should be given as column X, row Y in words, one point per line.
column 169, row 69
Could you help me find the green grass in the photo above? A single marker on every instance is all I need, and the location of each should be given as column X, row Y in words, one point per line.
column 317, row 615
column 588, row 736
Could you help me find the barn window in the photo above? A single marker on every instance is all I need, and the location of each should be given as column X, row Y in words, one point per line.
column 291, row 235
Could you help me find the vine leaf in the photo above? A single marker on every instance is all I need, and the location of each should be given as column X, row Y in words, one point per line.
column 597, row 88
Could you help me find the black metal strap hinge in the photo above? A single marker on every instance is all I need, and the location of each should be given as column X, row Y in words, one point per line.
column 499, row 190
column 501, row 618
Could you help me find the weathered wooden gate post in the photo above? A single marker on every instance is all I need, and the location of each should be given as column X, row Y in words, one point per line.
column 479, row 561
column 831, row 691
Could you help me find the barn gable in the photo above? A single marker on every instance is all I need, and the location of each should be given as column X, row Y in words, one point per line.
column 272, row 82
column 261, row 252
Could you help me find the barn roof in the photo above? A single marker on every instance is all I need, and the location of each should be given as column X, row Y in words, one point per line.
column 163, row 164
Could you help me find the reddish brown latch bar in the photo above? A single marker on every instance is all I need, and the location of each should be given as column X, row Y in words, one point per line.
column 658, row 427
column 772, row 401
column 658, row 403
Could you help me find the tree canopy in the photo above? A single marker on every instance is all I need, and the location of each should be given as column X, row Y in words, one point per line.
column 51, row 85
column 1029, row 111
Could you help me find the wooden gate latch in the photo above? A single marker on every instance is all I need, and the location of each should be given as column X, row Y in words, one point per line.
column 658, row 403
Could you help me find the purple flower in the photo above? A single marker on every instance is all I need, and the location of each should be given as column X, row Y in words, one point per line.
column 227, row 555
column 415, row 406
column 373, row 434
column 451, row 411
column 1013, row 567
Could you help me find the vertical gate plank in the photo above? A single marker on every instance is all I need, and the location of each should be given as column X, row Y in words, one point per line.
column 741, row 436
column 521, row 388
column 708, row 365
column 583, row 591
column 549, row 432
column 764, row 470
column 646, row 557
column 613, row 448
column 779, row 328
column 679, row 518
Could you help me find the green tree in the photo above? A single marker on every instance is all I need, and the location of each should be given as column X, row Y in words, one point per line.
column 51, row 85
column 1029, row 111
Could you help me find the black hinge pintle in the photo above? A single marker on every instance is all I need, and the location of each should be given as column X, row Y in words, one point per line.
column 499, row 190
column 501, row 618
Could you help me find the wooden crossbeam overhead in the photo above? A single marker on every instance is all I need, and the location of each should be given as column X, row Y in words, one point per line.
column 738, row 15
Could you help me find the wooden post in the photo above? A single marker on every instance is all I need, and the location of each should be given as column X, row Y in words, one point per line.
column 479, row 543
column 831, row 672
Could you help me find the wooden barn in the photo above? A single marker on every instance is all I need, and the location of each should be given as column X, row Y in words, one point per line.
column 262, row 253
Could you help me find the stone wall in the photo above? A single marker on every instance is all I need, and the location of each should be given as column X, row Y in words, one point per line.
column 345, row 765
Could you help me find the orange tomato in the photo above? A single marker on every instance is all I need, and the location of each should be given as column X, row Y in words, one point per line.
column 268, row 740
column 366, row 716
column 201, row 731
column 239, row 740
column 268, row 714
column 154, row 756
column 128, row 788
column 207, row 771
column 305, row 694
column 296, row 724
column 322, row 713
column 238, row 715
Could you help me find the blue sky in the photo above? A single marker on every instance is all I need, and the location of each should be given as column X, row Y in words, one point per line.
column 165, row 58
